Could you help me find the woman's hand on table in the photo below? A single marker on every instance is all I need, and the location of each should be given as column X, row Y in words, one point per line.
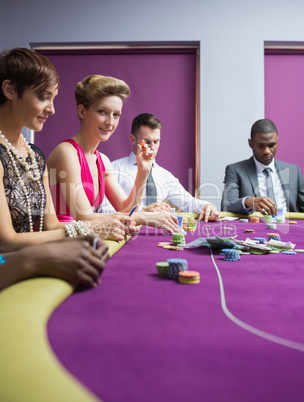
column 159, row 219
column 157, row 206
column 114, row 226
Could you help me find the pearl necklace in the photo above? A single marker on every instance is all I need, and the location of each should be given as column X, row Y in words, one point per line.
column 31, row 170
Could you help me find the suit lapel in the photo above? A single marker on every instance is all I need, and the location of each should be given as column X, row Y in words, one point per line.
column 253, row 177
column 284, row 175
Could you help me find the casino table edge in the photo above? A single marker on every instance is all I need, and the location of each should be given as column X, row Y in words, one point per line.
column 29, row 369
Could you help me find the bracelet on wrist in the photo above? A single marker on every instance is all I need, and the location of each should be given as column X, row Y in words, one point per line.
column 81, row 228
column 70, row 230
column 76, row 228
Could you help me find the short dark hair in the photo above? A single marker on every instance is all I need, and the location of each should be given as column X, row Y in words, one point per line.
column 263, row 126
column 145, row 119
column 26, row 68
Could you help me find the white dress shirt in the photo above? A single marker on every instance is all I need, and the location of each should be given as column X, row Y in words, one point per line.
column 277, row 185
column 168, row 186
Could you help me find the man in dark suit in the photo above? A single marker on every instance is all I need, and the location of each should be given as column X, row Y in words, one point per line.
column 262, row 183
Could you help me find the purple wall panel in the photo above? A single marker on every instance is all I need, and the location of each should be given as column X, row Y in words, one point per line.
column 162, row 84
column 284, row 103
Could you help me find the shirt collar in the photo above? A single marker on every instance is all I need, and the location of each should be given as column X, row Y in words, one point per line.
column 132, row 159
column 260, row 167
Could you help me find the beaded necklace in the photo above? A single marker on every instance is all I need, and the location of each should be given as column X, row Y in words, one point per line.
column 31, row 170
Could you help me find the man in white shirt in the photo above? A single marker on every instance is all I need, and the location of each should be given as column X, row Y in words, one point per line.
column 167, row 187
column 262, row 183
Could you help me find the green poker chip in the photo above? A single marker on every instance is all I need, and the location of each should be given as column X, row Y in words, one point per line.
column 299, row 250
column 256, row 251
column 162, row 268
column 275, row 250
column 267, row 218
column 178, row 238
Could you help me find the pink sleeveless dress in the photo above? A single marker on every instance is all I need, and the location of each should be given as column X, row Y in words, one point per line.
column 62, row 210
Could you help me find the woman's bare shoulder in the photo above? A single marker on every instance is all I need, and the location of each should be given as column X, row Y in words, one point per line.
column 106, row 161
column 62, row 151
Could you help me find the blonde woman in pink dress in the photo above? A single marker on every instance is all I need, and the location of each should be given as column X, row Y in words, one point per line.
column 83, row 174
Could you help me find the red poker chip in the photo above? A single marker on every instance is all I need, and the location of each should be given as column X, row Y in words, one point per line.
column 189, row 274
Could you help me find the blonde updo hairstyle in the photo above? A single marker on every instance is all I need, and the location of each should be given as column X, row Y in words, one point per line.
column 94, row 87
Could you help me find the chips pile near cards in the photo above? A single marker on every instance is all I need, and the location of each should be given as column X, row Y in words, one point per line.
column 168, row 246
column 260, row 240
column 178, row 238
column 191, row 225
column 273, row 236
column 231, row 254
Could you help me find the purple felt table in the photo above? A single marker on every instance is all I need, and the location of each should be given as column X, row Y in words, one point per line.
column 238, row 335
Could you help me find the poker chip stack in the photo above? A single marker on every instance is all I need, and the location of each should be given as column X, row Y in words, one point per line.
column 223, row 250
column 257, row 251
column 273, row 236
column 231, row 255
column 185, row 221
column 189, row 277
column 271, row 226
column 191, row 225
column 178, row 238
column 177, row 268
column 176, row 265
column 274, row 250
column 280, row 220
column 254, row 219
column 267, row 218
column 162, row 269
column 260, row 240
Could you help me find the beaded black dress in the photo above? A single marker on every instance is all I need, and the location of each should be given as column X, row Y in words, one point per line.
column 15, row 196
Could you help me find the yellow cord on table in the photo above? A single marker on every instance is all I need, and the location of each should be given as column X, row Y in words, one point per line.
column 288, row 215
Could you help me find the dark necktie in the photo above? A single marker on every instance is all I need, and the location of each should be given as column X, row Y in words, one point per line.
column 269, row 182
column 151, row 192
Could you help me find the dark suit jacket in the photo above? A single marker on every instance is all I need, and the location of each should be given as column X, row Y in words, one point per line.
column 241, row 181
